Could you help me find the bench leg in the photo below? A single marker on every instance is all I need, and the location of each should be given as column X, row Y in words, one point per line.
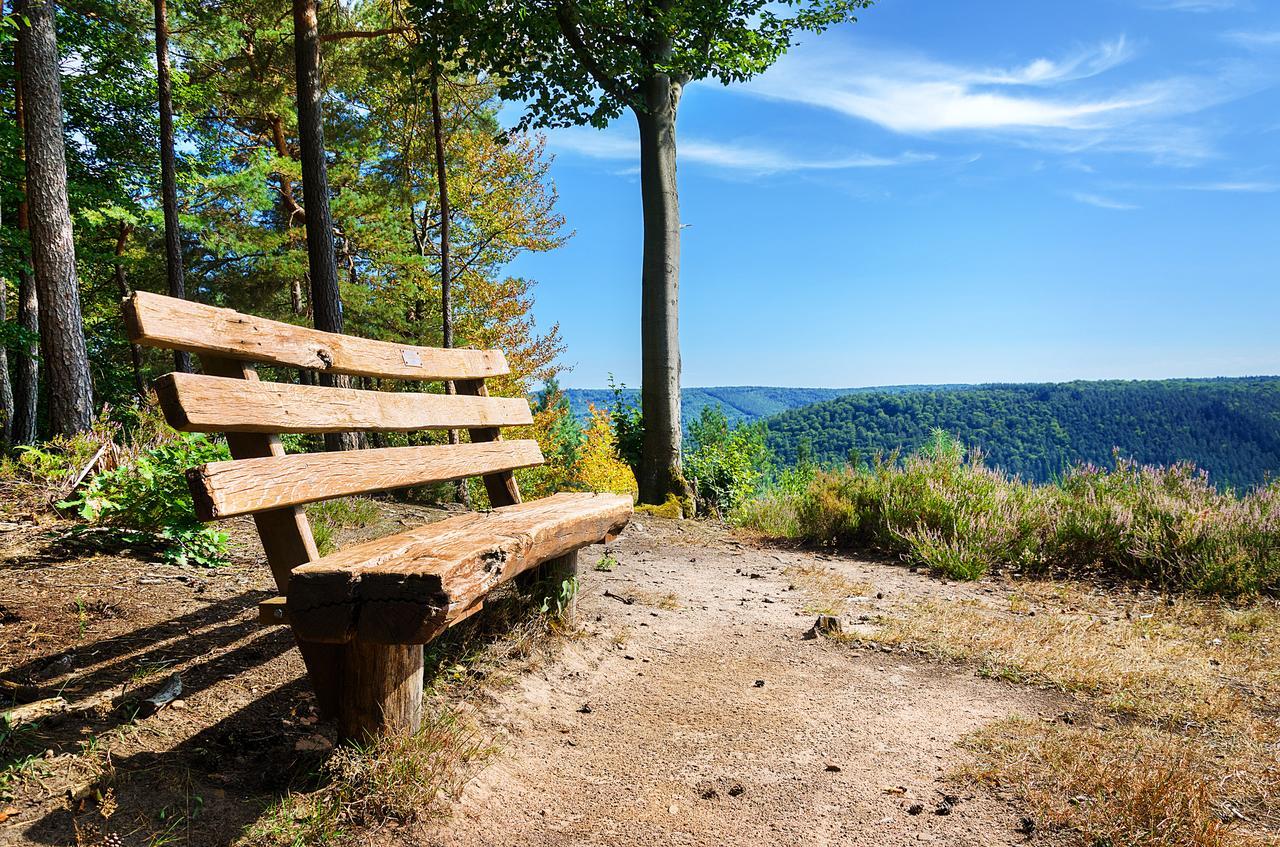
column 381, row 690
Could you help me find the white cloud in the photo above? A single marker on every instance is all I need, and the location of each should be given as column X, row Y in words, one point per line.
column 605, row 144
column 1055, row 104
column 1237, row 187
column 1194, row 5
column 1255, row 40
column 1102, row 202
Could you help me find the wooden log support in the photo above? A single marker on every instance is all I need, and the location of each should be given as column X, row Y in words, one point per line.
column 403, row 589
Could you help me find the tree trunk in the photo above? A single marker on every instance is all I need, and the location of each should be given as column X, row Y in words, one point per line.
column 53, row 256
column 26, row 364
column 446, row 272
column 169, row 173
column 6, row 387
column 322, row 259
column 660, row 464
column 122, row 284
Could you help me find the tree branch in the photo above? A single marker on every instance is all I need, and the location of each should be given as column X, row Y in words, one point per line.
column 569, row 28
column 345, row 34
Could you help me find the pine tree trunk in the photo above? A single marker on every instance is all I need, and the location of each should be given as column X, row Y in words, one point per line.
column 660, row 463
column 169, row 173
column 446, row 272
column 53, row 257
column 6, row 387
column 26, row 364
column 25, row 368
column 322, row 259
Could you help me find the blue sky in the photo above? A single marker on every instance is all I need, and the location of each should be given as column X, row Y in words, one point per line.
column 983, row 191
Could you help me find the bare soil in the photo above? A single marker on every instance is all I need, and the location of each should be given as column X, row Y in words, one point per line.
column 689, row 709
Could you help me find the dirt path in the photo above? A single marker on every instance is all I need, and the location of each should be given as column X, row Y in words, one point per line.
column 698, row 714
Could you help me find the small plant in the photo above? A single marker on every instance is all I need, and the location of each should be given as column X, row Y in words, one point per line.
column 725, row 463
column 149, row 497
column 606, row 564
column 557, row 600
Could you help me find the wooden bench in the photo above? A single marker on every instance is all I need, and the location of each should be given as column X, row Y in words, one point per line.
column 361, row 615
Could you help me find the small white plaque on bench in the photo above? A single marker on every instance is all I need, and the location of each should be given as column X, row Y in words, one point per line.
column 412, row 358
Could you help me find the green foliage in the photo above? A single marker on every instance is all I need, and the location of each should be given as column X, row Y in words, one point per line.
column 1229, row 427
column 558, row 597
column 565, row 431
column 725, row 464
column 628, row 425
column 606, row 564
column 585, row 62
column 150, row 496
column 944, row 508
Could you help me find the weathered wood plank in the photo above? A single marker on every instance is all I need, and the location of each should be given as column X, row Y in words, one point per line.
column 158, row 321
column 198, row 403
column 273, row 612
column 226, row 489
column 404, row 589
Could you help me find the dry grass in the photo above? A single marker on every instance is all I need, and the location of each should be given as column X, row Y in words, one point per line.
column 826, row 590
column 399, row 778
column 1178, row 737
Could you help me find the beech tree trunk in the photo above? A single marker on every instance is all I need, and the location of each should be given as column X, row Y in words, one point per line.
column 446, row 271
column 169, row 173
column 53, row 258
column 660, row 463
column 322, row 259
column 26, row 362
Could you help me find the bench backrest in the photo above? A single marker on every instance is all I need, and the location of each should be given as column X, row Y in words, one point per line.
column 228, row 397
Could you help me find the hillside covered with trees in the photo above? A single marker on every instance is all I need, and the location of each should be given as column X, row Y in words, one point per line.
column 1229, row 427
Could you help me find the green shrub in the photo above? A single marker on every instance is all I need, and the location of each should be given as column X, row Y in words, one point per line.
column 725, row 464
column 944, row 509
column 148, row 495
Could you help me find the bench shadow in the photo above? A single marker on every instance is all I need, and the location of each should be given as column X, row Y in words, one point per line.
column 210, row 789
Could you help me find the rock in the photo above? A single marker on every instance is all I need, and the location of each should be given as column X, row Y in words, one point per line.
column 915, row 809
column 586, row 709
column 737, row 790
column 832, row 769
column 944, row 808
column 825, row 625
column 1026, row 826
column 759, row 683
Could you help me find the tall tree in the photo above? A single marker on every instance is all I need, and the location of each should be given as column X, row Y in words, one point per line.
column 25, row 364
column 586, row 61
column 53, row 258
column 169, row 172
column 322, row 259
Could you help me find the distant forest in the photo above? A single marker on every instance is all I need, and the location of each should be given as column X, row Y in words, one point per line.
column 1229, row 427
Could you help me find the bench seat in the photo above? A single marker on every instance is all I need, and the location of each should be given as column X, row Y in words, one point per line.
column 407, row 588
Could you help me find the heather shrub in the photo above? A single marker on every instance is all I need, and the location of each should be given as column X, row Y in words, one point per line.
column 943, row 508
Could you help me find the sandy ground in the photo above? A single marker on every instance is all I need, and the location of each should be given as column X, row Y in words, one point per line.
column 698, row 714
column 690, row 709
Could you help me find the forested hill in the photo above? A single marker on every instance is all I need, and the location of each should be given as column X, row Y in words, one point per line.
column 741, row 403
column 1229, row 427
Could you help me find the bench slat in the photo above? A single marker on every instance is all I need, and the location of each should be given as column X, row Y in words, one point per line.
column 198, row 403
column 404, row 589
column 226, row 489
column 172, row 323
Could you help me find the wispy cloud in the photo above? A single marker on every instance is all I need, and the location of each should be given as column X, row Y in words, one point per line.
column 1262, row 40
column 1194, row 5
column 750, row 159
column 1052, row 103
column 1102, row 202
column 1235, row 187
